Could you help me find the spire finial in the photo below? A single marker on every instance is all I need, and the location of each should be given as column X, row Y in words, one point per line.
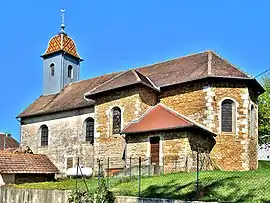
column 63, row 21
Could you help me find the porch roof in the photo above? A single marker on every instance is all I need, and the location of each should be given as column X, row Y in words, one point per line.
column 161, row 117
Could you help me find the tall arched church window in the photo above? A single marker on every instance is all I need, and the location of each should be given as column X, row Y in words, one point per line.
column 70, row 71
column 44, row 135
column 52, row 69
column 228, row 116
column 252, row 121
column 89, row 137
column 116, row 120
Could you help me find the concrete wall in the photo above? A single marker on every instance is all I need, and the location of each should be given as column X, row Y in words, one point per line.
column 6, row 179
column 13, row 195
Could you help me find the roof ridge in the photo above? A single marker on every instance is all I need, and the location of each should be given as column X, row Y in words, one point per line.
column 175, row 113
column 171, row 59
column 136, row 74
column 105, row 82
column 186, row 118
column 140, row 118
column 209, row 63
column 152, row 85
column 226, row 61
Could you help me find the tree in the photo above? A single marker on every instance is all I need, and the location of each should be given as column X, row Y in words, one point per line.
column 264, row 112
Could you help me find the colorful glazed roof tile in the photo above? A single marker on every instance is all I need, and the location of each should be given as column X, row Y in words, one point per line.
column 161, row 117
column 26, row 163
column 62, row 42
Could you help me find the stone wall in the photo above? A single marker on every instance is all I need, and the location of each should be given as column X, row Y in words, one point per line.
column 201, row 102
column 66, row 137
column 133, row 102
column 177, row 149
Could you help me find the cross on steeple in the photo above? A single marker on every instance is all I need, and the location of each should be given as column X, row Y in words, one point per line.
column 63, row 21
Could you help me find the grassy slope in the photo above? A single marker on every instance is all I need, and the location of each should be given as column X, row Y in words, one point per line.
column 214, row 185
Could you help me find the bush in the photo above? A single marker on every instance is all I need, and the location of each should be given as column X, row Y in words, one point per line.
column 101, row 195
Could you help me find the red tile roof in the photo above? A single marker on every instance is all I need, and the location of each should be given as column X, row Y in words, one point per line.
column 175, row 71
column 10, row 142
column 160, row 117
column 26, row 163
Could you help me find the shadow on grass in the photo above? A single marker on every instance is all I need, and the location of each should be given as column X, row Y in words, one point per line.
column 221, row 190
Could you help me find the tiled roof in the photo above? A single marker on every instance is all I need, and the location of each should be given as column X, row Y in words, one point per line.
column 125, row 78
column 160, row 117
column 10, row 142
column 175, row 71
column 71, row 97
column 26, row 163
column 62, row 42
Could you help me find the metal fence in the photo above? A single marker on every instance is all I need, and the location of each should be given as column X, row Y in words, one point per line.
column 196, row 180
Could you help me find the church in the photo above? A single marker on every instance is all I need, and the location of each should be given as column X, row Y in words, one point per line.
column 172, row 109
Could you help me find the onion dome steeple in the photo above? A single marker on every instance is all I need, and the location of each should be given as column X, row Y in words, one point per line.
column 62, row 42
column 61, row 62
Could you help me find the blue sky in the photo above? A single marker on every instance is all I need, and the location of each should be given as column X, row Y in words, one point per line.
column 120, row 34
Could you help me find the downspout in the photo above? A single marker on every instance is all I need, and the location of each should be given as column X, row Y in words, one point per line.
column 20, row 129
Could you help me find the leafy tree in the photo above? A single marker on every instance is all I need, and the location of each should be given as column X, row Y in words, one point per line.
column 264, row 112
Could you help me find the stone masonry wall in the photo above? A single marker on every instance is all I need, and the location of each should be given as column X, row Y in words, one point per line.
column 66, row 137
column 201, row 102
column 177, row 149
column 133, row 102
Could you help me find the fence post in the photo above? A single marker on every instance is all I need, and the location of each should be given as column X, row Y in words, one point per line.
column 76, row 184
column 149, row 166
column 108, row 173
column 98, row 172
column 130, row 168
column 197, row 175
column 139, row 178
column 163, row 166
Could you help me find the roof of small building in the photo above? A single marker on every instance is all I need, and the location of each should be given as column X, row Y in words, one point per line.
column 188, row 68
column 161, row 117
column 62, row 42
column 7, row 142
column 11, row 163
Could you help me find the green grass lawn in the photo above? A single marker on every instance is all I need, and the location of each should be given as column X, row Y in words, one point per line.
column 247, row 186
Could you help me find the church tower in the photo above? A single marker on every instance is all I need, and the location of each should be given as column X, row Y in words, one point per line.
column 61, row 62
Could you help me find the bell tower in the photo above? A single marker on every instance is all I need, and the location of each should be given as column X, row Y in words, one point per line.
column 61, row 62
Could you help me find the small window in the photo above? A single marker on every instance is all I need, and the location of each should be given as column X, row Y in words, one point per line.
column 69, row 162
column 70, row 71
column 90, row 130
column 116, row 120
column 44, row 135
column 52, row 69
column 252, row 121
column 228, row 117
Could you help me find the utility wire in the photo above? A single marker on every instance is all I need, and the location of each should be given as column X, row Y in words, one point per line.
column 262, row 73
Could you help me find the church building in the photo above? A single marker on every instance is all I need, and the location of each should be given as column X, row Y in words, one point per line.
column 171, row 109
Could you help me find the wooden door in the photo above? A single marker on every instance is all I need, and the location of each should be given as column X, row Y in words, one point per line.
column 154, row 150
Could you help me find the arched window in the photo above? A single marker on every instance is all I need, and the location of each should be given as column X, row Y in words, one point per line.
column 70, row 71
column 228, row 116
column 89, row 137
column 116, row 120
column 52, row 69
column 44, row 135
column 252, row 121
